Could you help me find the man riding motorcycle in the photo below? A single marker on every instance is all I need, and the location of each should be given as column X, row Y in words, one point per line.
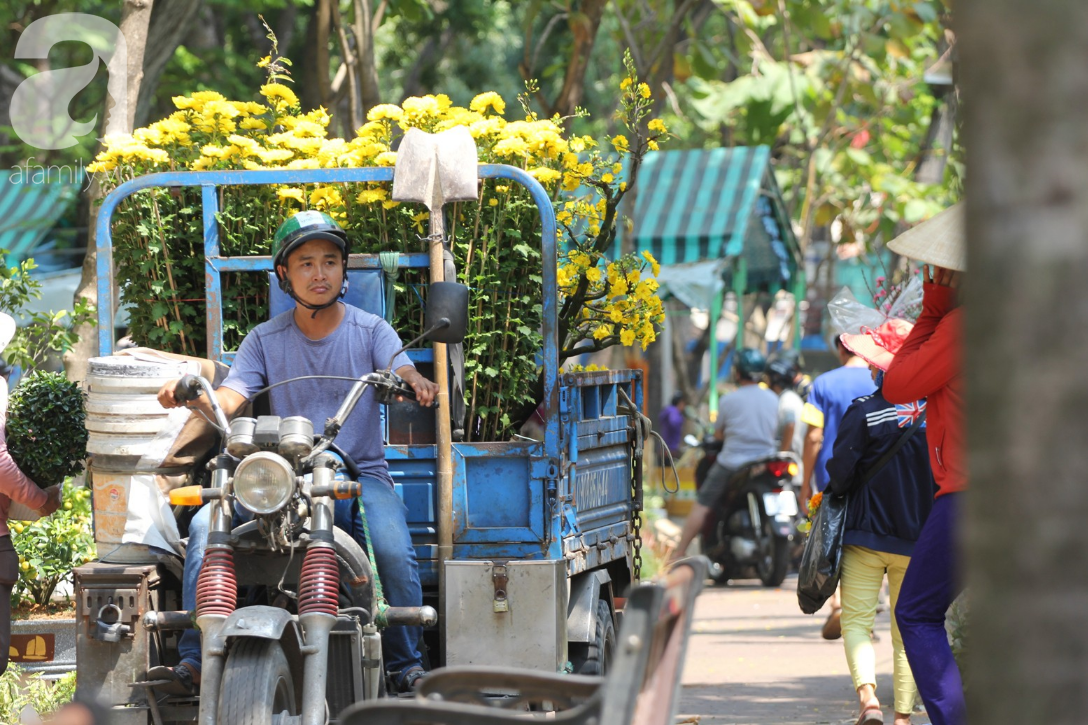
column 321, row 336
column 747, row 422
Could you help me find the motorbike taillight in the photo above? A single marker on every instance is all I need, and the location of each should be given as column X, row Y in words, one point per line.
column 782, row 469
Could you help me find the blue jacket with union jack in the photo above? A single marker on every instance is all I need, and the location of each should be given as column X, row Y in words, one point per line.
column 887, row 513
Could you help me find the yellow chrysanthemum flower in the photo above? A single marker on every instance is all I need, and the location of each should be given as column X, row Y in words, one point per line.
column 386, row 158
column 385, row 111
column 657, row 126
column 627, row 337
column 370, row 196
column 619, row 142
column 545, row 175
column 274, row 156
column 602, row 332
column 278, row 94
column 291, row 192
column 253, row 124
column 643, row 90
column 593, row 274
column 326, row 197
column 652, row 145
column 511, row 146
column 484, row 101
column 487, row 127
column 418, row 220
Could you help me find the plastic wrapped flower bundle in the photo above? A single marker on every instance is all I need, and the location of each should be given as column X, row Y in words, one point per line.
column 158, row 233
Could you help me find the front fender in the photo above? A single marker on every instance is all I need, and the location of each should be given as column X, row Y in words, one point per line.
column 261, row 622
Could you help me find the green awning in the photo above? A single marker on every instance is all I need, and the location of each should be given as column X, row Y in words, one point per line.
column 701, row 204
column 31, row 206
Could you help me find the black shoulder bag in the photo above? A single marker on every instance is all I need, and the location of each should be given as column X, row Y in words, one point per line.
column 821, row 564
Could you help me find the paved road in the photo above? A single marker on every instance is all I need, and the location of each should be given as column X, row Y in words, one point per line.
column 755, row 659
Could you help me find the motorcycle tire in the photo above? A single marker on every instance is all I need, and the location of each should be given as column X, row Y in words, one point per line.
column 595, row 658
column 773, row 572
column 257, row 684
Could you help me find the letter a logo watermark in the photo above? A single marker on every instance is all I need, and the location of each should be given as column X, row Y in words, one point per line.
column 39, row 106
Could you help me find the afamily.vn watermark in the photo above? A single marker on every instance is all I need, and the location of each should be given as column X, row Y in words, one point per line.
column 70, row 174
column 39, row 105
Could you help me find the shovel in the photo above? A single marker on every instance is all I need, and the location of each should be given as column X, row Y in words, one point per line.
column 434, row 169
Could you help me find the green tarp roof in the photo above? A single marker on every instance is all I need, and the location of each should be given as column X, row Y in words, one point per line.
column 701, row 204
column 30, row 208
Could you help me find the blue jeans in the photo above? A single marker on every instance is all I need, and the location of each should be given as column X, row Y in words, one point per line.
column 393, row 551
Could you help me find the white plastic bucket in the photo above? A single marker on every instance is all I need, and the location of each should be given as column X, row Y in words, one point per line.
column 129, row 434
column 127, row 428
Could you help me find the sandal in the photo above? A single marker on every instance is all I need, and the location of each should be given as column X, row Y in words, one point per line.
column 173, row 680
column 871, row 716
column 832, row 628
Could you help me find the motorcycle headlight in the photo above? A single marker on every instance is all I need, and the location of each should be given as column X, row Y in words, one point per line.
column 264, row 482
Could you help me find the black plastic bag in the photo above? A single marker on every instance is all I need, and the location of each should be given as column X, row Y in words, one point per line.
column 821, row 564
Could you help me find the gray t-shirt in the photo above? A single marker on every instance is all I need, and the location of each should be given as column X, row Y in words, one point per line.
column 749, row 419
column 790, row 408
column 277, row 350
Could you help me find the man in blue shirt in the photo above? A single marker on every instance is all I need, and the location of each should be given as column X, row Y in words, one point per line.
column 320, row 336
column 829, row 397
column 747, row 423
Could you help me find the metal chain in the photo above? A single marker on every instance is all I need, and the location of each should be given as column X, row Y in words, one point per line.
column 636, row 527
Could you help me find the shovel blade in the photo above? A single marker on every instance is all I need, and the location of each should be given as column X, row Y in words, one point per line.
column 434, row 169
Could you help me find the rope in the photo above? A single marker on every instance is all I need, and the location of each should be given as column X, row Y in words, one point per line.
column 379, row 617
column 390, row 268
column 647, row 432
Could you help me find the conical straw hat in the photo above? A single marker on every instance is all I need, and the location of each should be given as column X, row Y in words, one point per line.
column 938, row 240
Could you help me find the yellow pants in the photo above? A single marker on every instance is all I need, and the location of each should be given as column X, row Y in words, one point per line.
column 862, row 575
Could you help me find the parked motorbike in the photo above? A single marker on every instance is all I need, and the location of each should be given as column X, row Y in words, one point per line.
column 307, row 642
column 751, row 528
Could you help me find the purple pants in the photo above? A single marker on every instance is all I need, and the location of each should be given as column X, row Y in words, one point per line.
column 929, row 587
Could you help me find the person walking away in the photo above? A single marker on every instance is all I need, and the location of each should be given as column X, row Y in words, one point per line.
column 671, row 421
column 14, row 486
column 747, row 421
column 828, row 398
column 884, row 516
column 928, row 365
column 782, row 374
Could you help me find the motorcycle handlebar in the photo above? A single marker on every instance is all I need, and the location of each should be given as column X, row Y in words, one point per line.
column 187, row 389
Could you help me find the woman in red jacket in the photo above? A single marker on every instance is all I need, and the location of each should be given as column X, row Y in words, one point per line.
column 928, row 366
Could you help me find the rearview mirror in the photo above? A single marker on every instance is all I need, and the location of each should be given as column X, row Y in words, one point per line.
column 691, row 440
column 447, row 301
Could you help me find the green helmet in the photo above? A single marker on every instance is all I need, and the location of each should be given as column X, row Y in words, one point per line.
column 302, row 227
column 749, row 364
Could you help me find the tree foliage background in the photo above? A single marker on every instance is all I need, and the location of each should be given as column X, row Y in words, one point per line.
column 855, row 97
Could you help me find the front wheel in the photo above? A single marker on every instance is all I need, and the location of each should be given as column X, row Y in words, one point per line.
column 595, row 658
column 257, row 688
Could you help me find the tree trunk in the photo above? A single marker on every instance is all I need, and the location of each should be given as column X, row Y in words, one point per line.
column 1026, row 540
column 170, row 23
column 135, row 19
column 366, row 67
column 316, row 88
column 584, row 25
